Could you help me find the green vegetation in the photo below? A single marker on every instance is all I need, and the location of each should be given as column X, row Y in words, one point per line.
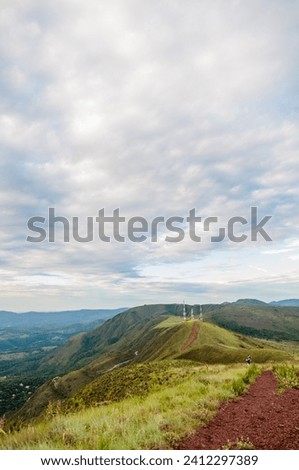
column 164, row 337
column 156, row 420
column 170, row 322
column 260, row 321
column 287, row 376
column 14, row 392
column 137, row 380
column 240, row 444
column 142, row 379
column 217, row 354
column 146, row 378
column 156, row 330
column 240, row 384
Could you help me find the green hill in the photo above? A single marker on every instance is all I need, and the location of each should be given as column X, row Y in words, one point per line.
column 261, row 321
column 139, row 336
column 120, row 337
column 117, row 337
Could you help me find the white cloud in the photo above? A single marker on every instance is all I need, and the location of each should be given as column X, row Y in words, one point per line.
column 156, row 109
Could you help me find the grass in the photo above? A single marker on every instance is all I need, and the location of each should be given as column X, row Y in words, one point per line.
column 170, row 322
column 158, row 420
column 240, row 444
column 288, row 346
column 287, row 376
column 169, row 339
column 267, row 322
column 212, row 345
column 137, row 380
column 240, row 384
column 214, row 354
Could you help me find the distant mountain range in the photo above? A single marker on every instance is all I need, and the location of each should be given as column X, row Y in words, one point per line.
column 26, row 337
column 247, row 302
column 279, row 303
column 51, row 320
column 286, row 303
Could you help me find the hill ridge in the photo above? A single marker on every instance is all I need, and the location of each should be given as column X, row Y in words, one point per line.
column 166, row 337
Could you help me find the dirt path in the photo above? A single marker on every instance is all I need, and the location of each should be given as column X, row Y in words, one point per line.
column 268, row 420
column 191, row 338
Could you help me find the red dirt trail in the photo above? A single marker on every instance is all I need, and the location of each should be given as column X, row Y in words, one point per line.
column 267, row 420
column 191, row 338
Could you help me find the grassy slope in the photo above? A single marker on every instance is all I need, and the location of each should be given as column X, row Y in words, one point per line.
column 213, row 345
column 268, row 322
column 216, row 345
column 155, row 342
column 118, row 336
column 167, row 398
column 121, row 336
column 156, row 419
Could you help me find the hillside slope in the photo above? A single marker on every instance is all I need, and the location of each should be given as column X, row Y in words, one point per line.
column 148, row 338
column 261, row 321
column 124, row 334
column 118, row 337
column 155, row 417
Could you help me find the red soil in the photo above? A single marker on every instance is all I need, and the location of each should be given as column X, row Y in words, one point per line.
column 267, row 419
column 191, row 338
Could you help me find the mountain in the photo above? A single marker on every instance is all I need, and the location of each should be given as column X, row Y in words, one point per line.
column 286, row 303
column 117, row 335
column 140, row 335
column 25, row 338
column 121, row 336
column 248, row 302
column 51, row 320
column 279, row 303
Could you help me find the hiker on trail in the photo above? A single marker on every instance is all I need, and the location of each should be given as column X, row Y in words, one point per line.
column 248, row 360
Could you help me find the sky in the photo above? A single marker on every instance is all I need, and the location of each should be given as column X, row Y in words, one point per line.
column 155, row 109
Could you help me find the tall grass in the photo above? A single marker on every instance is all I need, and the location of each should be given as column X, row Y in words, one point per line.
column 287, row 376
column 240, row 384
column 158, row 420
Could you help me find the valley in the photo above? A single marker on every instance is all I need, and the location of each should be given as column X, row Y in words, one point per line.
column 26, row 338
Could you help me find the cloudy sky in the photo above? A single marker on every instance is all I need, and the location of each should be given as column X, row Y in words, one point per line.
column 154, row 108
